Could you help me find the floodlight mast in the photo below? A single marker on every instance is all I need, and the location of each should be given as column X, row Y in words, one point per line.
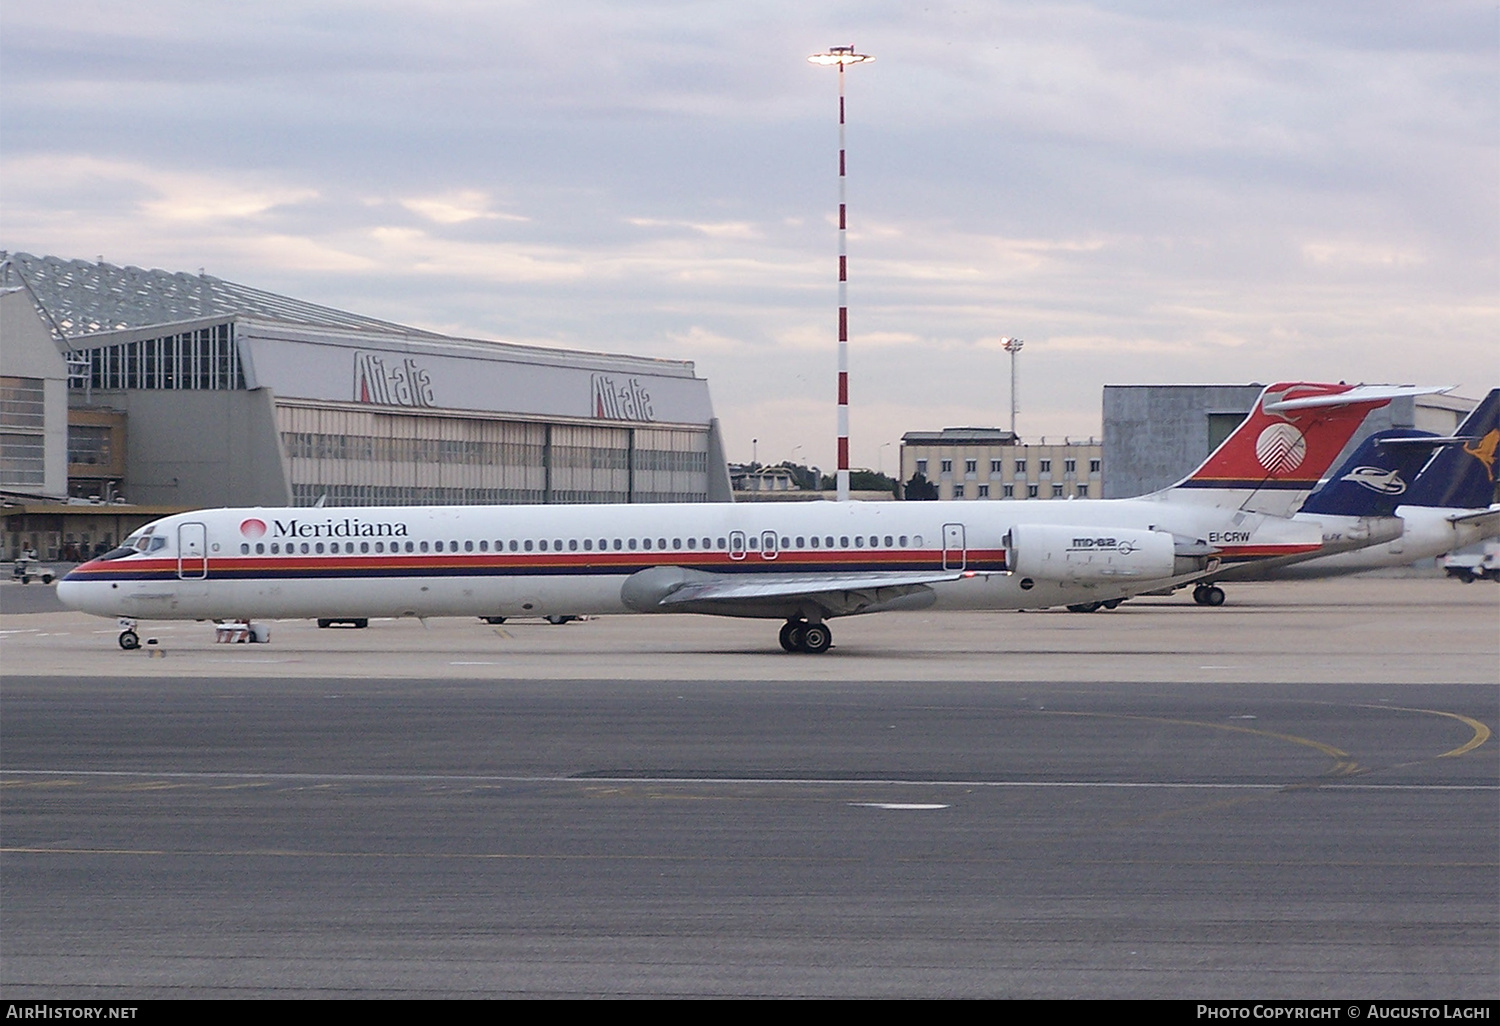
column 1013, row 346
column 840, row 56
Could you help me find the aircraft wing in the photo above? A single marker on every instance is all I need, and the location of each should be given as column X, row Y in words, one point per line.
column 762, row 594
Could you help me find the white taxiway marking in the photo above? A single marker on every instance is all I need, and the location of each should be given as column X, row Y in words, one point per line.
column 899, row 806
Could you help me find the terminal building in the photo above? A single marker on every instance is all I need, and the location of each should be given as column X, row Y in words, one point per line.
column 991, row 463
column 178, row 391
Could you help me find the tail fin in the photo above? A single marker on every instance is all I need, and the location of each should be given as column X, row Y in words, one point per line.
column 1276, row 457
column 1463, row 476
column 1378, row 477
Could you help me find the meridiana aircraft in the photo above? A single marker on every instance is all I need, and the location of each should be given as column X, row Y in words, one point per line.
column 803, row 563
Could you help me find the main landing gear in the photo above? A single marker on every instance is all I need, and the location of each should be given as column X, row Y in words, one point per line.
column 1208, row 595
column 1094, row 607
column 801, row 636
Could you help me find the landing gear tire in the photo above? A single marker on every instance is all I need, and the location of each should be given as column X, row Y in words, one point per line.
column 1113, row 604
column 1085, row 607
column 1208, row 595
column 130, row 640
column 791, row 635
column 493, row 620
column 816, row 638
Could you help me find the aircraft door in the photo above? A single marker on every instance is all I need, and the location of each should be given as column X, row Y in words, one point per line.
column 768, row 547
column 192, row 552
column 955, row 552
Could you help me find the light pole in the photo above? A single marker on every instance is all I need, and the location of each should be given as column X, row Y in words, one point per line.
column 840, row 56
column 1013, row 346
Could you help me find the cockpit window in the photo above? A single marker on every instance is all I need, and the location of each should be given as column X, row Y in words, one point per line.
column 158, row 543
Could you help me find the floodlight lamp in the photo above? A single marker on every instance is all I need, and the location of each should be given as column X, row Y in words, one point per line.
column 839, row 55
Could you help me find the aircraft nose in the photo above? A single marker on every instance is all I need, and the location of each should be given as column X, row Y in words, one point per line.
column 74, row 588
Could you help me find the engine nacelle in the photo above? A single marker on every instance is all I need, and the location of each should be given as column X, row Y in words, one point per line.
column 1062, row 553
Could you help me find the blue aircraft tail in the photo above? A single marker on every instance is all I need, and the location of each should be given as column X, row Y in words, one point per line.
column 1379, row 476
column 1462, row 476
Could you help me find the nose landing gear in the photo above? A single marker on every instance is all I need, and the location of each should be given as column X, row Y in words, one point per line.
column 801, row 636
column 129, row 639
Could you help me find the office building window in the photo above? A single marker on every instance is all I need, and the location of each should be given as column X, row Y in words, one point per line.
column 995, row 466
column 1008, row 491
column 1020, row 466
column 958, row 491
column 1045, row 467
column 984, row 491
column 1031, row 491
column 947, row 466
column 1057, row 491
column 971, row 466
column 1070, row 466
column 1083, row 491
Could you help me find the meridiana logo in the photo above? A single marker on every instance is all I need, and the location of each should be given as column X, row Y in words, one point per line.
column 1280, row 448
column 253, row 528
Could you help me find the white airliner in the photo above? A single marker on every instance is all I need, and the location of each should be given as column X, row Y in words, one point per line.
column 804, row 563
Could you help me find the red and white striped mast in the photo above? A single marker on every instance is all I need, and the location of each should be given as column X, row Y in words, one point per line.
column 840, row 56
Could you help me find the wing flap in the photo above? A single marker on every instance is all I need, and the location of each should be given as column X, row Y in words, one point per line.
column 764, row 586
column 767, row 594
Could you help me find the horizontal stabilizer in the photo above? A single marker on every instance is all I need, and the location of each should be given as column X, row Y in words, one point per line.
column 1358, row 394
column 1487, row 520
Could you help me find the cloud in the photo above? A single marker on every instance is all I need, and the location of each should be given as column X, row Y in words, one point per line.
column 458, row 207
column 1148, row 192
column 1353, row 254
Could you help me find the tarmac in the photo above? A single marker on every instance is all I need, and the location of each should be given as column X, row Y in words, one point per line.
column 1293, row 795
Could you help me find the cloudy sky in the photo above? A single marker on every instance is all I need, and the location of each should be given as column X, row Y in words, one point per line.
column 1168, row 191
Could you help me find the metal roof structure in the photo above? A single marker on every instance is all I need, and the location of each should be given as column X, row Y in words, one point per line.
column 80, row 298
column 961, row 436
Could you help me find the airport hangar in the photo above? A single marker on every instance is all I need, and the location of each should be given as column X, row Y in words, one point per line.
column 178, row 391
column 183, row 391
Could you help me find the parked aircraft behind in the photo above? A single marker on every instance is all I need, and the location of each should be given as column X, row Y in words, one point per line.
column 1448, row 503
column 803, row 563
